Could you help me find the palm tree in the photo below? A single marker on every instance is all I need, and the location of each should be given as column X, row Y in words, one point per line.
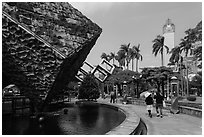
column 125, row 50
column 186, row 47
column 105, row 56
column 120, row 57
column 175, row 54
column 159, row 46
column 137, row 55
column 132, row 55
column 177, row 58
column 112, row 56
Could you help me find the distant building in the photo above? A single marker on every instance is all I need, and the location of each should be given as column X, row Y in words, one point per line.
column 168, row 33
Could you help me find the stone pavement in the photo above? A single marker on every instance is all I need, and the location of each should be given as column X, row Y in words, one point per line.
column 170, row 124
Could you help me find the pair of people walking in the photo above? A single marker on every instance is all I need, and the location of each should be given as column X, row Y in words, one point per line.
column 159, row 104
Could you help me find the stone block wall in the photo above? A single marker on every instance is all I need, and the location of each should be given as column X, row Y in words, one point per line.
column 43, row 46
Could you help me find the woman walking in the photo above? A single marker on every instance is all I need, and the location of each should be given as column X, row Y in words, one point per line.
column 149, row 101
column 159, row 103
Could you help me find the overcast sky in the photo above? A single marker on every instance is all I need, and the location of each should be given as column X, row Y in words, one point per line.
column 137, row 22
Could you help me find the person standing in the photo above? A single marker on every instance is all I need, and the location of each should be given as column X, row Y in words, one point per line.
column 159, row 103
column 149, row 102
column 112, row 100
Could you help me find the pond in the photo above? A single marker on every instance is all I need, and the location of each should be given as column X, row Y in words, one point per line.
column 80, row 120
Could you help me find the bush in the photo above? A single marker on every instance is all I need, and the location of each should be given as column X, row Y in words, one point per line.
column 191, row 98
column 180, row 98
column 89, row 88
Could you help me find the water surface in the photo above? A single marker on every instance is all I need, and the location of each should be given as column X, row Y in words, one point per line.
column 86, row 120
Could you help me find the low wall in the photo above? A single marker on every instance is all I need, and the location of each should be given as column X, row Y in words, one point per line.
column 191, row 111
column 183, row 109
column 132, row 125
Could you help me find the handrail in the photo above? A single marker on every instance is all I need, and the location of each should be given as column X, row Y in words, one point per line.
column 33, row 34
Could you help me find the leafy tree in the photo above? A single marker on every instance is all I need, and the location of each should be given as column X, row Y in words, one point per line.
column 120, row 76
column 89, row 88
column 158, row 46
column 157, row 76
column 186, row 46
column 196, row 82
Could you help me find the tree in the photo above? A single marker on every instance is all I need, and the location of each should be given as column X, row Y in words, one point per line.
column 198, row 49
column 188, row 46
column 89, row 88
column 175, row 54
column 196, row 82
column 105, row 56
column 158, row 46
column 121, row 58
column 119, row 76
column 132, row 55
column 198, row 55
column 112, row 56
column 157, row 76
column 125, row 49
column 138, row 56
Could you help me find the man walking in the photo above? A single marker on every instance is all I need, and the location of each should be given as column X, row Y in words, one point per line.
column 159, row 103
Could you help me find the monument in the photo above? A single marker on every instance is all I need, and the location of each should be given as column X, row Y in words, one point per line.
column 43, row 46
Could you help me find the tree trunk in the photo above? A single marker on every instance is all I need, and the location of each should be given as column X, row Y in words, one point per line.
column 138, row 95
column 162, row 59
column 158, row 86
column 127, row 65
column 162, row 87
column 187, row 84
column 136, row 65
column 132, row 64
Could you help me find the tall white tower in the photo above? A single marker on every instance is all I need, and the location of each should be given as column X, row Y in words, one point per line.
column 168, row 33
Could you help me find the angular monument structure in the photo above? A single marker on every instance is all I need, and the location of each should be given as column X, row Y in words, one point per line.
column 43, row 46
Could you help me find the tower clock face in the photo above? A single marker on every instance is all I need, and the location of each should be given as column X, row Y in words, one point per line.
column 168, row 28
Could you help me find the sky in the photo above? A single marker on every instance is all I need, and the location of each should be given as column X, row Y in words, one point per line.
column 137, row 23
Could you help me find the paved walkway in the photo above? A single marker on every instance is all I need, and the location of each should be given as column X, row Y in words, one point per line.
column 170, row 124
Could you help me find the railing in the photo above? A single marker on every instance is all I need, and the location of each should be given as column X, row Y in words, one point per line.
column 15, row 103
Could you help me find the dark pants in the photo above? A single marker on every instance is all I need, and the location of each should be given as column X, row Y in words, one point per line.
column 112, row 99
column 159, row 109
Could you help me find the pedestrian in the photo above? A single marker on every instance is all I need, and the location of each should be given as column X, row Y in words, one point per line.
column 159, row 103
column 112, row 100
column 149, row 102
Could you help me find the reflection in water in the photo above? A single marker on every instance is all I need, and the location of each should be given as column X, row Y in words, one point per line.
column 95, row 120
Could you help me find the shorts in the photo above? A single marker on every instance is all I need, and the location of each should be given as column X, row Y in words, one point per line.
column 159, row 105
column 150, row 107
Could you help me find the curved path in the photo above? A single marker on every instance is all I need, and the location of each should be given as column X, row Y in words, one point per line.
column 170, row 124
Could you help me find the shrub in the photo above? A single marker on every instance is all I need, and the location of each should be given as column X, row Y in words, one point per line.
column 89, row 88
column 191, row 98
column 180, row 98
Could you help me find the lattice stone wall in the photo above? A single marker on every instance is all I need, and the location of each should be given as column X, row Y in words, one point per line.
column 42, row 43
